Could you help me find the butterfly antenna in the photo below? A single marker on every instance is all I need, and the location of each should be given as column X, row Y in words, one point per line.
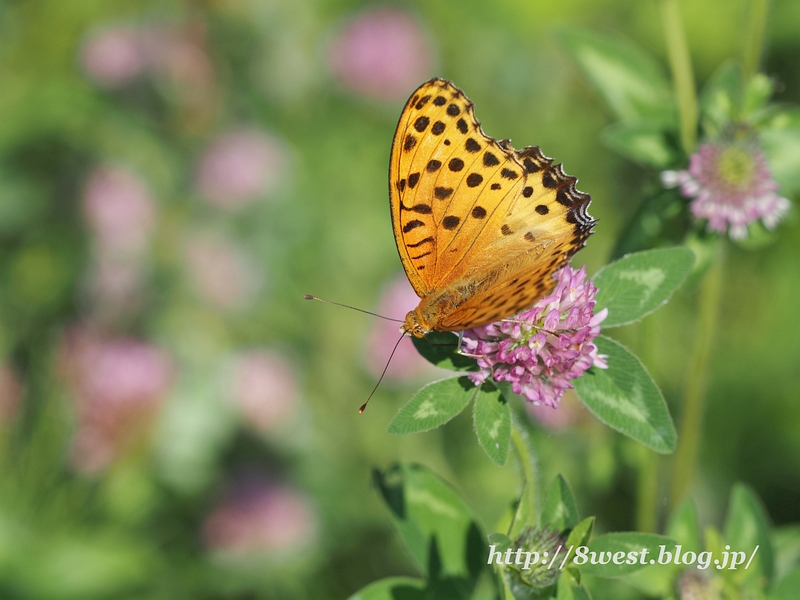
column 364, row 406
column 310, row 297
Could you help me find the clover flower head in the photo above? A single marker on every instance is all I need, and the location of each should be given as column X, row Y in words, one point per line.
column 542, row 349
column 540, row 574
column 694, row 584
column 731, row 186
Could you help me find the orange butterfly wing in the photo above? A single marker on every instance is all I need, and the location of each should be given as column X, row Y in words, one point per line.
column 480, row 227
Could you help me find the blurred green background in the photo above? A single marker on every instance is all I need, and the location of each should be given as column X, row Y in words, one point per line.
column 175, row 421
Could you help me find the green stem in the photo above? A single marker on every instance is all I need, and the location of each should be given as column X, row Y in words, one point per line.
column 755, row 31
column 648, row 463
column 696, row 386
column 647, row 491
column 682, row 75
column 527, row 463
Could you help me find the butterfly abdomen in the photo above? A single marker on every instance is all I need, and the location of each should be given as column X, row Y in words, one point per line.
column 435, row 308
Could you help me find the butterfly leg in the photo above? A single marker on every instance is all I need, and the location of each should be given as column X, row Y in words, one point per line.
column 461, row 350
column 468, row 355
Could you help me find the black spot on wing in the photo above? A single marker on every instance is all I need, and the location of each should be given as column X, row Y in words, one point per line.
column 422, row 102
column 471, row 145
column 419, row 243
column 474, row 179
column 411, row 225
column 413, row 179
column 490, row 160
column 442, row 193
column 438, row 128
column 451, row 222
column 409, row 142
column 455, row 164
column 421, row 124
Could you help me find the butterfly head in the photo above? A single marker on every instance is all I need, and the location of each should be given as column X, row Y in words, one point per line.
column 416, row 324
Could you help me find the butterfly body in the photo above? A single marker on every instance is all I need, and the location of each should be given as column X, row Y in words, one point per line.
column 480, row 227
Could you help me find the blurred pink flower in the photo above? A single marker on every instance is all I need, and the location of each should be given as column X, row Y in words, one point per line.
column 258, row 517
column 382, row 53
column 119, row 210
column 118, row 386
column 264, row 387
column 222, row 274
column 240, row 166
column 397, row 298
column 114, row 57
column 10, row 393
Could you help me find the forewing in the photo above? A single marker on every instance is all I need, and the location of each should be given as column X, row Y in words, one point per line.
column 448, row 183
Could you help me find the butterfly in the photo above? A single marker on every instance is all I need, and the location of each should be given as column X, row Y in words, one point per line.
column 480, row 227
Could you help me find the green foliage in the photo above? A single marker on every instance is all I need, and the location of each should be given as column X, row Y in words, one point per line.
column 630, row 81
column 438, row 402
column 581, row 533
column 441, row 349
column 684, row 527
column 492, row 420
column 780, row 138
column 559, row 510
column 642, row 142
column 626, row 398
column 660, row 220
column 437, row 527
column 393, row 588
column 788, row 588
column 637, row 284
column 747, row 526
column 571, row 590
column 622, row 552
column 433, row 405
